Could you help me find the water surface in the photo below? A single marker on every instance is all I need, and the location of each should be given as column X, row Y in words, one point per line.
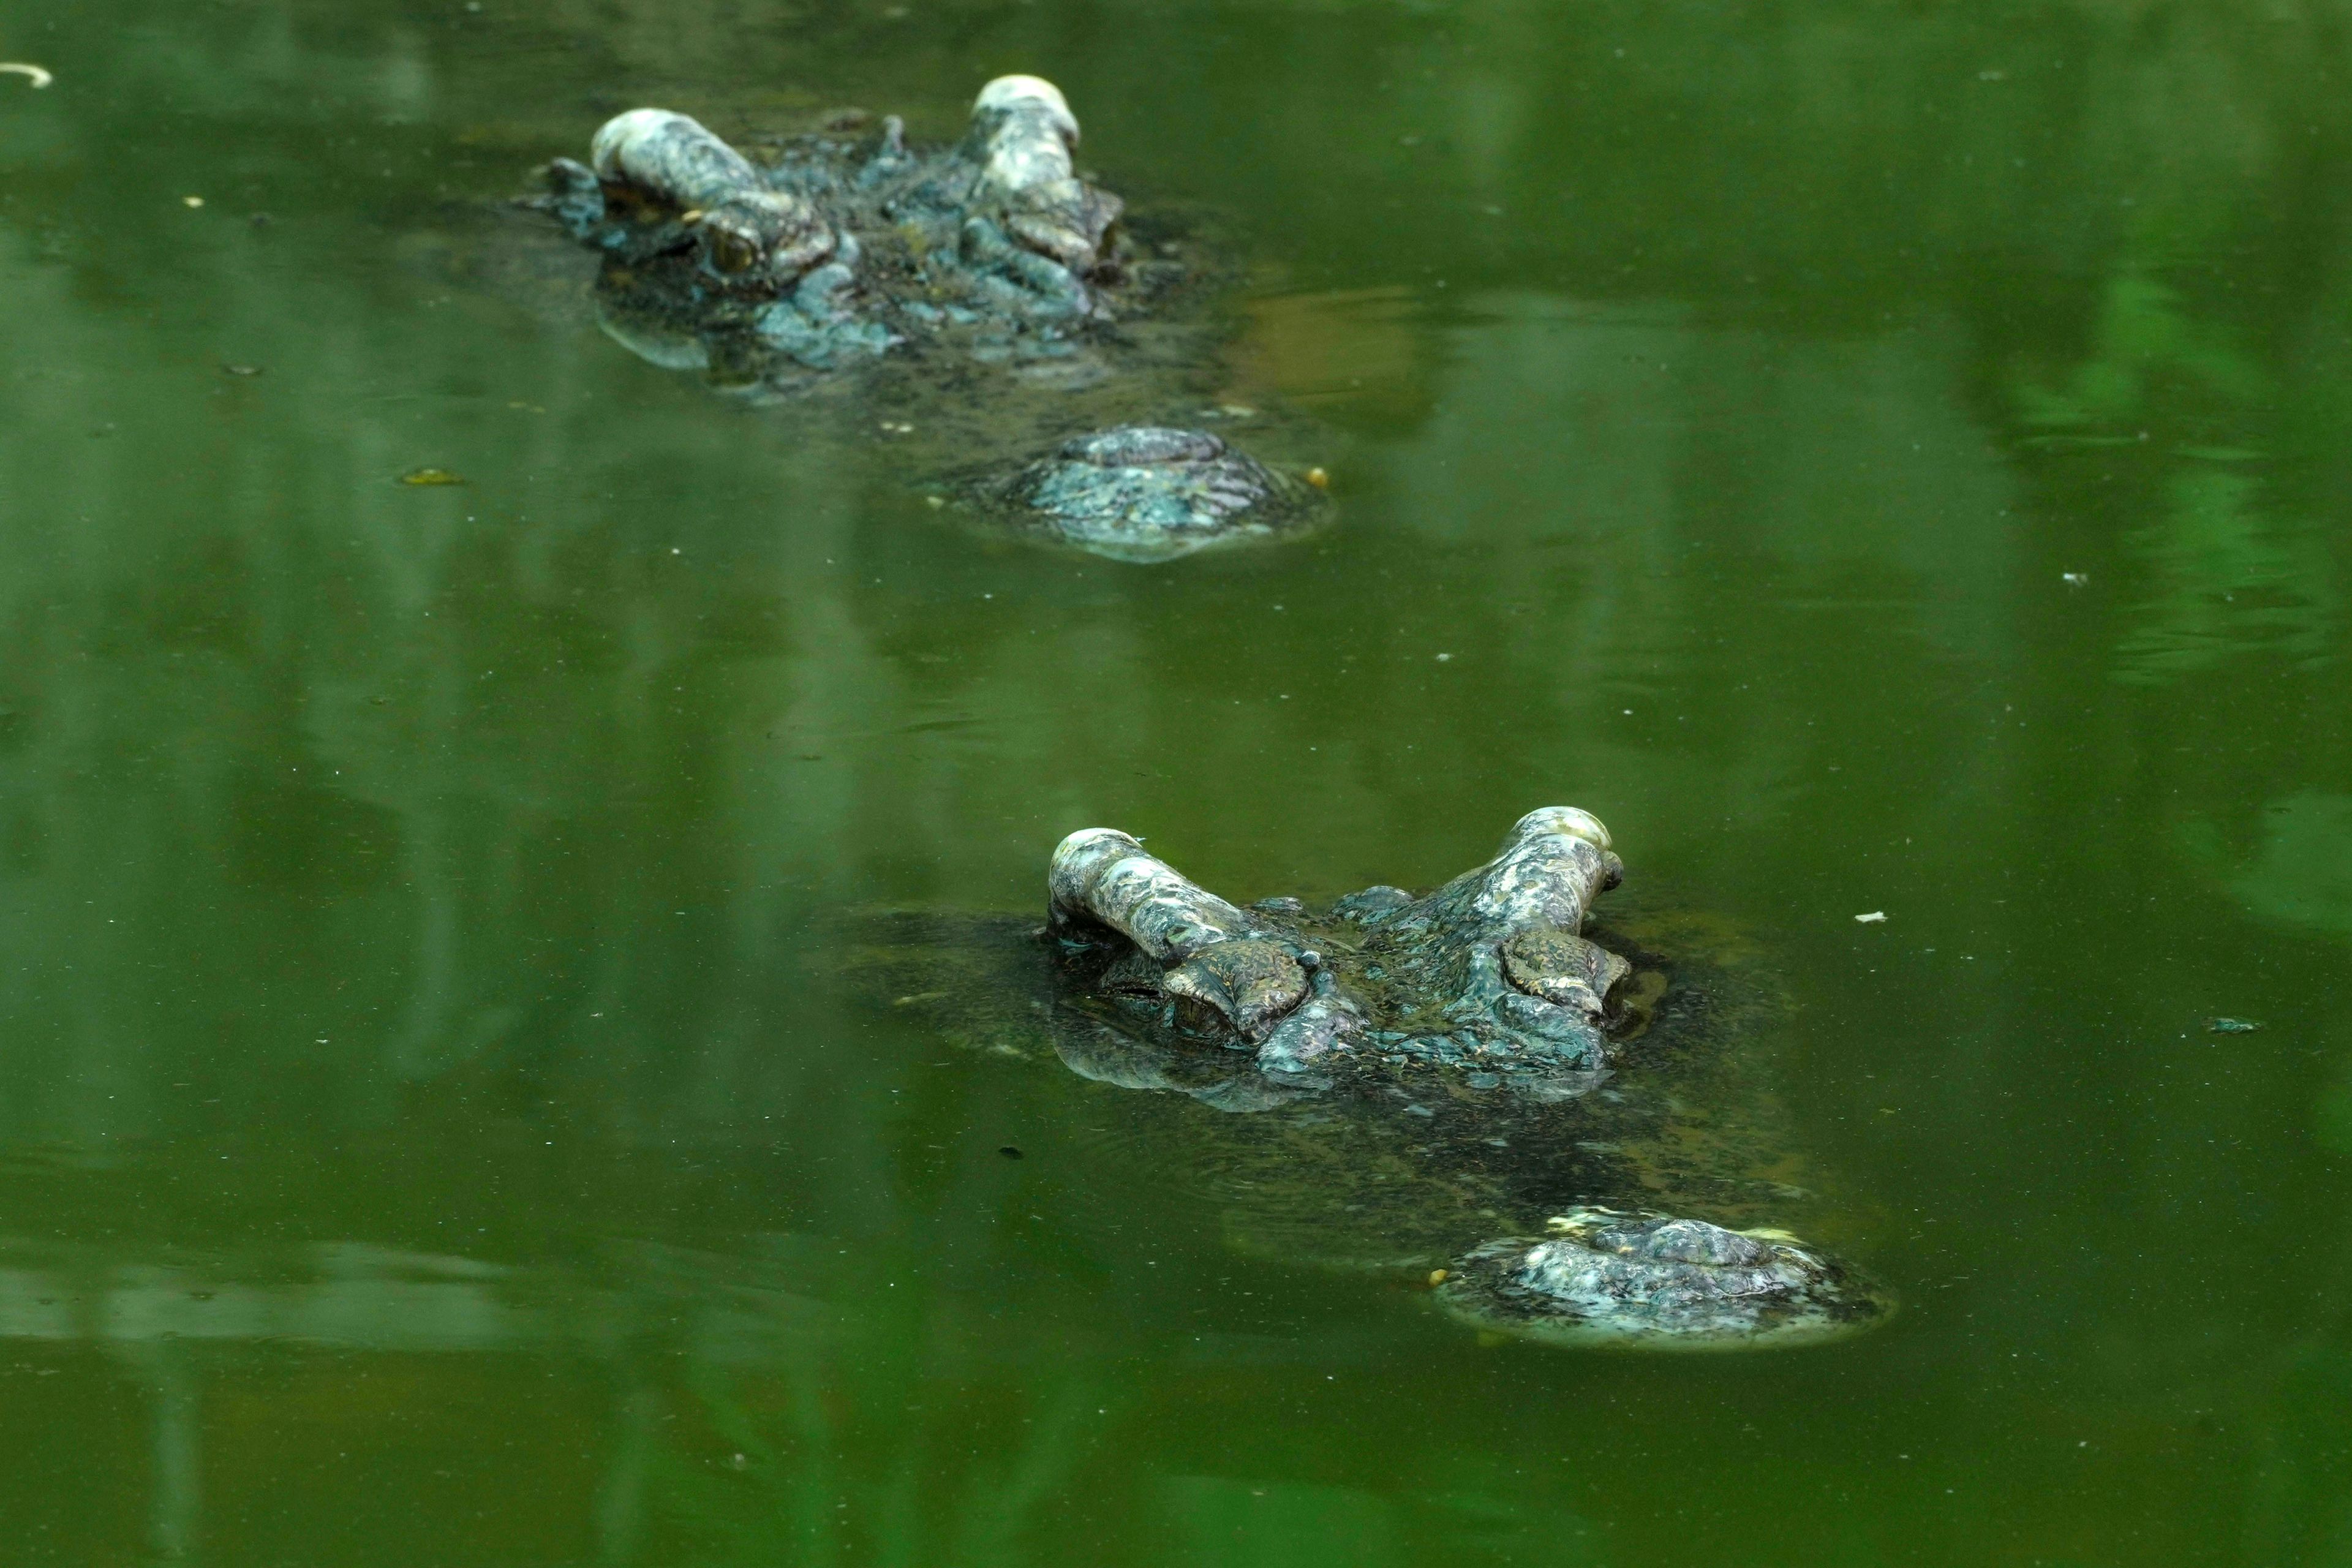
column 1877, row 457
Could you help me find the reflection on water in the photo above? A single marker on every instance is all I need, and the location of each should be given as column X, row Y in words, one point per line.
column 426, row 1129
column 2226, row 578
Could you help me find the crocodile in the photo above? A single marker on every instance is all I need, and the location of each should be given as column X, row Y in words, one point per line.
column 1469, row 1089
column 988, row 274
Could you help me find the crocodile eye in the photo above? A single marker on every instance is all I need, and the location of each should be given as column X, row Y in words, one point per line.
column 731, row 252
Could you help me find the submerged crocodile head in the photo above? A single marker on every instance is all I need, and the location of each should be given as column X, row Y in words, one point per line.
column 838, row 246
column 1462, row 1088
column 1490, row 974
column 984, row 291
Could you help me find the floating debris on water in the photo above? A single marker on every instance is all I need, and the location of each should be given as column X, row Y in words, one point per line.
column 2230, row 1025
column 240, row 370
column 33, row 74
column 1438, row 1276
column 431, row 477
column 1874, row 917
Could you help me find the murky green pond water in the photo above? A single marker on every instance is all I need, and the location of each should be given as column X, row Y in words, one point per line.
column 1879, row 457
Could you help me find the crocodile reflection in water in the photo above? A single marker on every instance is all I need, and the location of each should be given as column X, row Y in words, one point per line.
column 843, row 257
column 1421, row 1077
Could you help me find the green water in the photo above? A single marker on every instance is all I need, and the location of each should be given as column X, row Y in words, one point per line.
column 423, row 1136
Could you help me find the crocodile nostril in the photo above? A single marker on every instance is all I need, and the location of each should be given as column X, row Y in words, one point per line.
column 1130, row 445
